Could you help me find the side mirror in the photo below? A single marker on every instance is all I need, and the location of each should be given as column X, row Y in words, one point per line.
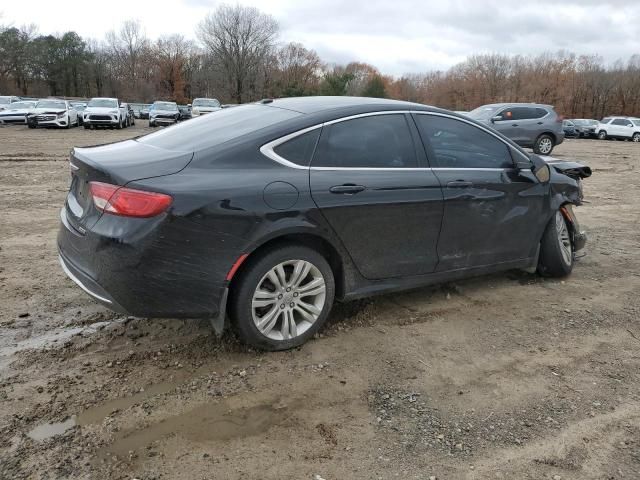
column 497, row 118
column 540, row 168
column 189, row 105
column 630, row 125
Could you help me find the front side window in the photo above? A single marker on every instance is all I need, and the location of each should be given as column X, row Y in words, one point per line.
column 457, row 144
column 379, row 141
column 620, row 121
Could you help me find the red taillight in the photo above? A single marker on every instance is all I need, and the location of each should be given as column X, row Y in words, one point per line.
column 128, row 202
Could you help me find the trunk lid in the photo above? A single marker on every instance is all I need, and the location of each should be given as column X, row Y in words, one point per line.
column 117, row 164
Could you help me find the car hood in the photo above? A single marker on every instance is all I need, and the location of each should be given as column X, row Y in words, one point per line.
column 47, row 110
column 16, row 111
column 206, row 109
column 164, row 112
column 570, row 168
column 100, row 110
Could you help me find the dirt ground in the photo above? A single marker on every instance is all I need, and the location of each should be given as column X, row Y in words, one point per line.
column 510, row 376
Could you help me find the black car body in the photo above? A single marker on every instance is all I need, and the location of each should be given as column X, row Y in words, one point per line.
column 585, row 127
column 163, row 113
column 392, row 194
column 185, row 112
column 569, row 129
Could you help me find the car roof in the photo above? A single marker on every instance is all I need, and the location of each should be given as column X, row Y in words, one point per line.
column 323, row 104
column 516, row 104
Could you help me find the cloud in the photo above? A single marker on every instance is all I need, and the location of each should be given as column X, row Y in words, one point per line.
column 397, row 36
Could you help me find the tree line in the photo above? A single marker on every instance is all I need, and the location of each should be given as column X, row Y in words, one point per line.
column 238, row 58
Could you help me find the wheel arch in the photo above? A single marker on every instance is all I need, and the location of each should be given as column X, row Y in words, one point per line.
column 310, row 238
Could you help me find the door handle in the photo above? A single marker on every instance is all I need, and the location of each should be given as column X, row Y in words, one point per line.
column 459, row 184
column 514, row 124
column 347, row 189
column 540, row 123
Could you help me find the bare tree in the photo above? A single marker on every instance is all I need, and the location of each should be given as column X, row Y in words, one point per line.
column 127, row 46
column 239, row 39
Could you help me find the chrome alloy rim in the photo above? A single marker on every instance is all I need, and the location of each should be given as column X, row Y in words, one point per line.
column 564, row 238
column 545, row 145
column 288, row 300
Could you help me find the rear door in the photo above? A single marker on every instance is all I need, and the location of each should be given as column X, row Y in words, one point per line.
column 369, row 179
column 492, row 211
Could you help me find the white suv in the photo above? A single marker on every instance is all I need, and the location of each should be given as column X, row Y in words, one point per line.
column 619, row 127
column 104, row 112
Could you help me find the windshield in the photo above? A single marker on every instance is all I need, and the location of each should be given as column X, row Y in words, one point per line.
column 165, row 106
column 206, row 102
column 103, row 103
column 51, row 104
column 211, row 130
column 16, row 105
column 484, row 112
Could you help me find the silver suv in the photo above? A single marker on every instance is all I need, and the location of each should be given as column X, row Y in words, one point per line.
column 530, row 125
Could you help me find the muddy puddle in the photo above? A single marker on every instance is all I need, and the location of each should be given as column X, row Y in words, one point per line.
column 206, row 423
column 50, row 430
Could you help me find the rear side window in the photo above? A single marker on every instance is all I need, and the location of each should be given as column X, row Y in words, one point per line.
column 458, row 144
column 539, row 112
column 217, row 127
column 380, row 141
column 299, row 150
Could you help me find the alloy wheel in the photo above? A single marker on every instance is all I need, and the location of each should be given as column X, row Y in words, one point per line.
column 288, row 300
column 545, row 145
column 636, row 137
column 564, row 239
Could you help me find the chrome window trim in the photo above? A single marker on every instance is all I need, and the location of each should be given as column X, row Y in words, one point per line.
column 268, row 148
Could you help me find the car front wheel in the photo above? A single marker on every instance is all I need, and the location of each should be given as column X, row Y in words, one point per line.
column 282, row 298
column 602, row 135
column 544, row 145
column 636, row 137
column 556, row 248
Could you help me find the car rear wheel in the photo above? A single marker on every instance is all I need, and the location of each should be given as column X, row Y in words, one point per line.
column 544, row 144
column 602, row 135
column 556, row 248
column 283, row 298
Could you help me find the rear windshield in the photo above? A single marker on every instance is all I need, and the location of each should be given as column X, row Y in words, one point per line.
column 209, row 130
column 206, row 102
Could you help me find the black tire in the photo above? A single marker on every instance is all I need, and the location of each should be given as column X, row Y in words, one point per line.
column 602, row 135
column 636, row 137
column 544, row 144
column 240, row 304
column 552, row 262
column 86, row 127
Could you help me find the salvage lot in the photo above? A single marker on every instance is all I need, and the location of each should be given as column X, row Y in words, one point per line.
column 506, row 376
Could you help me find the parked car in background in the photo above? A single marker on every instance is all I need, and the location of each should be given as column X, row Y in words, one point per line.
column 130, row 118
column 528, row 124
column 586, row 127
column 104, row 112
column 185, row 112
column 620, row 128
column 569, row 129
column 163, row 113
column 80, row 108
column 53, row 113
column 16, row 113
column 6, row 100
column 136, row 107
column 200, row 106
column 144, row 111
column 270, row 211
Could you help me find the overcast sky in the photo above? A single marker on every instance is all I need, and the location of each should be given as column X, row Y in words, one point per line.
column 397, row 36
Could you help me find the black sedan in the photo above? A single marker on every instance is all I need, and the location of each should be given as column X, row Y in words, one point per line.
column 269, row 212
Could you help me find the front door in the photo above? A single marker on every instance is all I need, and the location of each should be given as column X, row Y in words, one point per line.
column 492, row 211
column 369, row 181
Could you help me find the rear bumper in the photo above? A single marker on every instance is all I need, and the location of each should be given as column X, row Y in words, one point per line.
column 128, row 268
